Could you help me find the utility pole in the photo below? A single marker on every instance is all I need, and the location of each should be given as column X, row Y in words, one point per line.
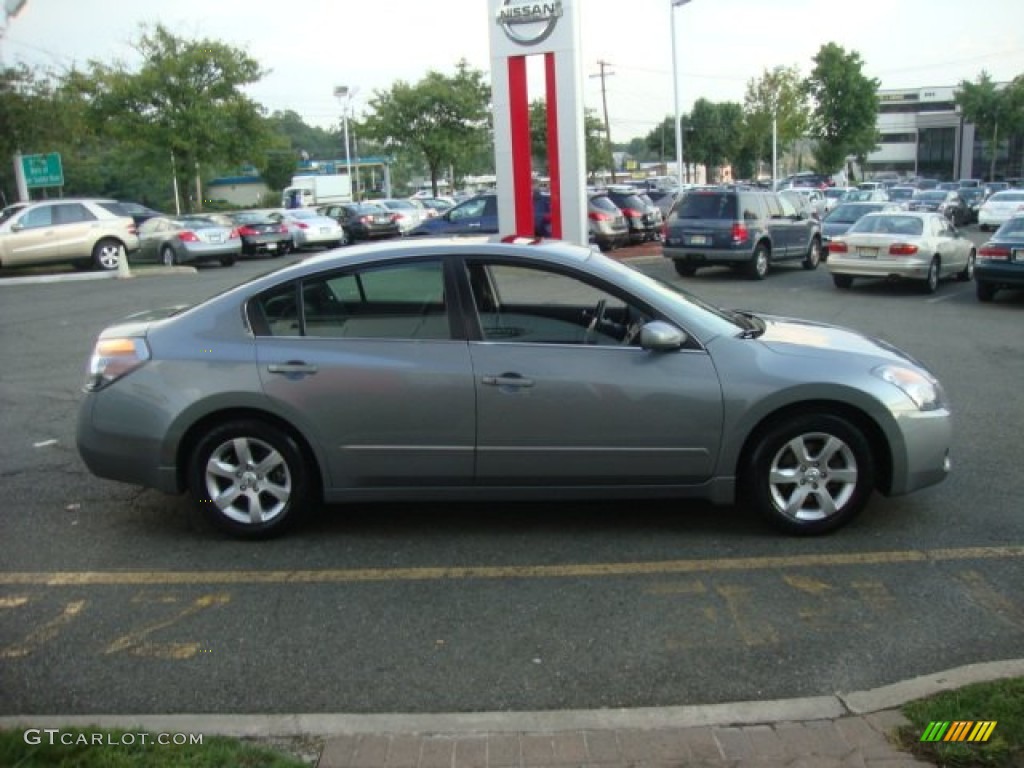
column 604, row 101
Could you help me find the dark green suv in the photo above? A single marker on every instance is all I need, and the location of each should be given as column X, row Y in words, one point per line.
column 742, row 228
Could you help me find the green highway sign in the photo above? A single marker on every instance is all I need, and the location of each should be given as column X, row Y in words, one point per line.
column 43, row 170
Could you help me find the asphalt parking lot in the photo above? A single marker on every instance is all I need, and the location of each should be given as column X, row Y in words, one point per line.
column 108, row 592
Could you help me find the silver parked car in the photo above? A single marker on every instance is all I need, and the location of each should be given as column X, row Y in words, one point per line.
column 909, row 245
column 310, row 228
column 187, row 240
column 474, row 369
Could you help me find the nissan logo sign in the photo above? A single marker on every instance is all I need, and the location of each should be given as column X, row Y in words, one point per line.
column 528, row 23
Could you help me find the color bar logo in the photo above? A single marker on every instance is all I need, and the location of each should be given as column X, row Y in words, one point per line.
column 959, row 730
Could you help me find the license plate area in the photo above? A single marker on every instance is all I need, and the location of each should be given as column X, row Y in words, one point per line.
column 698, row 240
column 867, row 253
column 1017, row 254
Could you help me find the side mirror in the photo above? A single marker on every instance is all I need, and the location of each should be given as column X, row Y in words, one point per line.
column 659, row 336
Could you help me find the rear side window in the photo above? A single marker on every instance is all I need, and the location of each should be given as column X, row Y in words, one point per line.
column 604, row 203
column 707, row 205
column 70, row 213
column 115, row 208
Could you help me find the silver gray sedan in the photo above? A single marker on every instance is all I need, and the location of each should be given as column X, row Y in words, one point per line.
column 901, row 244
column 476, row 369
column 187, row 240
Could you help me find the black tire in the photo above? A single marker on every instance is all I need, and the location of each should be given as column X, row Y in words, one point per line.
column 345, row 237
column 168, row 257
column 227, row 261
column 269, row 448
column 966, row 274
column 683, row 269
column 842, row 282
column 984, row 291
column 107, row 254
column 813, row 257
column 831, row 482
column 931, row 282
column 757, row 267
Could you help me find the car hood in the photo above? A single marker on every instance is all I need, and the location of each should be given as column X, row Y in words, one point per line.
column 789, row 336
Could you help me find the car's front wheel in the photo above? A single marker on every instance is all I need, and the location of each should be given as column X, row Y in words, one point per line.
column 249, row 478
column 810, row 474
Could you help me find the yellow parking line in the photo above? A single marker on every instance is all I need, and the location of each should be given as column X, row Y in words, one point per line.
column 578, row 570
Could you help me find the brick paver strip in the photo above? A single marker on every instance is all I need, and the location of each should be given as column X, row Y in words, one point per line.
column 570, row 748
column 702, row 744
column 869, row 741
column 538, row 749
column 338, row 752
column 437, row 752
column 887, row 721
column 635, row 746
column 371, row 751
column 404, row 751
column 764, row 742
column 854, row 760
column 602, row 746
column 471, row 752
column 503, row 750
column 734, row 743
column 795, row 738
column 829, row 738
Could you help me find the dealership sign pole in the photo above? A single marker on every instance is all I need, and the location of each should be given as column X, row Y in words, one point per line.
column 519, row 29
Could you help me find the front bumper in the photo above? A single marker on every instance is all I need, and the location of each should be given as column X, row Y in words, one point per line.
column 921, row 456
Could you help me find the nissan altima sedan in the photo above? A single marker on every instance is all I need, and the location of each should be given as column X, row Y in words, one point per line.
column 474, row 369
column 901, row 245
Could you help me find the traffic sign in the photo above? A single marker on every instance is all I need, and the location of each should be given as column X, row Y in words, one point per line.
column 43, row 170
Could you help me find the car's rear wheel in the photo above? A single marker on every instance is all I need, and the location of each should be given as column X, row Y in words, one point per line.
column 843, row 282
column 107, row 254
column 167, row 256
column 757, row 267
column 931, row 280
column 813, row 257
column 227, row 261
column 810, row 474
column 966, row 274
column 683, row 269
column 249, row 478
column 345, row 238
column 985, row 291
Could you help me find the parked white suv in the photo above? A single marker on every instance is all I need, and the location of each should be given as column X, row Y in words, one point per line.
column 86, row 233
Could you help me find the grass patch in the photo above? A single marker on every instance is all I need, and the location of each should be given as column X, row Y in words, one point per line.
column 1002, row 701
column 123, row 749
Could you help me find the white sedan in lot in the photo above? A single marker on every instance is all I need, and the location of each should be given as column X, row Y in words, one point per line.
column 901, row 244
column 309, row 228
column 1000, row 208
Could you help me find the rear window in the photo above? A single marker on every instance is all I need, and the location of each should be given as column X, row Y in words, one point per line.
column 1007, row 197
column 706, row 205
column 890, row 225
column 629, row 201
column 847, row 214
column 604, row 203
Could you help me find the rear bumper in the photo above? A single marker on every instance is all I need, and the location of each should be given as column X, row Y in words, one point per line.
column 1009, row 273
column 910, row 269
column 696, row 255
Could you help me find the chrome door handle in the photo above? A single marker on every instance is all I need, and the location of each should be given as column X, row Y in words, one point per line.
column 292, row 367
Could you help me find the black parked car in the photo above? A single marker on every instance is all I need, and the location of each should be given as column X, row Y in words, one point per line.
column 739, row 227
column 363, row 221
column 945, row 201
column 261, row 234
column 642, row 217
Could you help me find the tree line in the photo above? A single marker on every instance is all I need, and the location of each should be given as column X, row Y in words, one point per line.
column 183, row 113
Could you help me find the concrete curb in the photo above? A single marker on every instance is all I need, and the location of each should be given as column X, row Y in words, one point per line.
column 646, row 718
column 73, row 277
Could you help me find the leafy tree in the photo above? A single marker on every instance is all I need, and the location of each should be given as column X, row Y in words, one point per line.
column 845, row 107
column 596, row 146
column 185, row 102
column 317, row 143
column 779, row 93
column 992, row 110
column 439, row 120
column 715, row 133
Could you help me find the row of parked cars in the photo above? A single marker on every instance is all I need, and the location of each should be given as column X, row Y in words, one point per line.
column 751, row 229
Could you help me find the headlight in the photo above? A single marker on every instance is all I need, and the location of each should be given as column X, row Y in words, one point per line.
column 113, row 358
column 925, row 391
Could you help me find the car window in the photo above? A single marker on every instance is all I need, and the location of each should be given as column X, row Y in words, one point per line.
column 770, row 202
column 527, row 304
column 789, row 208
column 471, row 209
column 403, row 301
column 151, row 226
column 707, row 205
column 71, row 213
column 37, row 217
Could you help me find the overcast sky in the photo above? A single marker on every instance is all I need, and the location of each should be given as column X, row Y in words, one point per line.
column 310, row 46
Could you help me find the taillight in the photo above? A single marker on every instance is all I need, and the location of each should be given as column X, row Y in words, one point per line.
column 234, row 235
column 598, row 216
column 188, row 237
column 396, row 217
column 364, row 219
column 284, row 230
column 994, row 252
column 247, row 231
column 739, row 232
column 299, row 224
column 631, row 213
column 837, row 246
column 902, row 249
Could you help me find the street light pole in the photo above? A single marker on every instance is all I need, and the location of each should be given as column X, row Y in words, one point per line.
column 675, row 94
column 343, row 93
